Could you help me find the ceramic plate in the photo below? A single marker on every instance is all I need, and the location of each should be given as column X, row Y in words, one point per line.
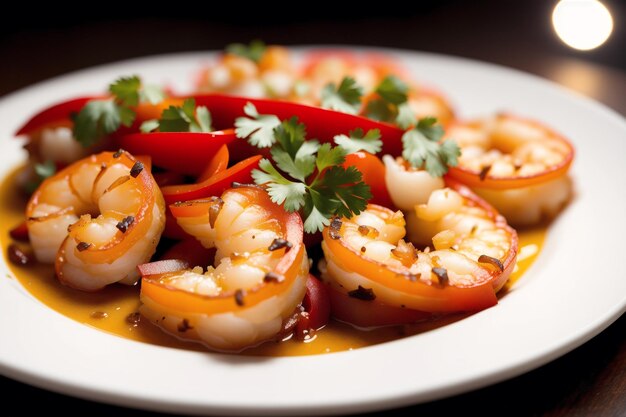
column 573, row 291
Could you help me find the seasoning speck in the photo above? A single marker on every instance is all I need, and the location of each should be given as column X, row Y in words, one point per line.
column 118, row 153
column 17, row 256
column 273, row 277
column 82, row 246
column 136, row 169
column 239, row 294
column 99, row 315
column 125, row 223
column 133, row 318
column 483, row 172
column 279, row 243
column 183, row 326
column 364, row 294
column 485, row 259
column 442, row 276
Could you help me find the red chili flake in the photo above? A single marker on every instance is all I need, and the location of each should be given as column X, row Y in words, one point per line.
column 136, row 169
column 279, row 243
column 364, row 294
column 485, row 259
column 239, row 294
column 334, row 228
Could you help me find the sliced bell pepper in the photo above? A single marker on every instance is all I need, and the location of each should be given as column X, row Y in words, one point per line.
column 183, row 152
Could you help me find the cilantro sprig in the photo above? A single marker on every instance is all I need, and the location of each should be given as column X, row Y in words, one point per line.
column 99, row 118
column 392, row 104
column 302, row 174
column 357, row 140
column 345, row 98
column 254, row 51
column 422, row 148
column 185, row 118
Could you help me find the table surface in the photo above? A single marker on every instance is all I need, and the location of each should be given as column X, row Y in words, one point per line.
column 590, row 380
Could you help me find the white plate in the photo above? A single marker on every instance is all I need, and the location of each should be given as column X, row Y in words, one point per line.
column 574, row 290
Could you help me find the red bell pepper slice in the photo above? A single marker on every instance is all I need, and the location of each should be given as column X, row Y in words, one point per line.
column 183, row 152
column 215, row 185
column 218, row 163
column 57, row 113
column 317, row 303
column 322, row 124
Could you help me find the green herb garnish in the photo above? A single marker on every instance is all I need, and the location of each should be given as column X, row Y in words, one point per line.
column 357, row 141
column 422, row 148
column 43, row 171
column 304, row 175
column 254, row 51
column 99, row 118
column 185, row 118
column 346, row 98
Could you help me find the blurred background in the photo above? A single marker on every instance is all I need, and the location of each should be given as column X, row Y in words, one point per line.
column 48, row 40
column 42, row 41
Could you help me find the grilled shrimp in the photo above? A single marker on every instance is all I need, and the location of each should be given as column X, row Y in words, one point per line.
column 517, row 165
column 97, row 219
column 257, row 283
column 470, row 254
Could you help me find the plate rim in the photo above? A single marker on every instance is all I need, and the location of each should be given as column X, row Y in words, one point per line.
column 373, row 404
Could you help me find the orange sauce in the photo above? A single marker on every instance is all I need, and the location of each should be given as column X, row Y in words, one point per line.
column 109, row 309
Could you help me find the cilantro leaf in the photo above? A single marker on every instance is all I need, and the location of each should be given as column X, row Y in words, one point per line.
column 254, row 51
column 346, row 186
column 405, row 117
column 333, row 190
column 393, row 90
column 379, row 110
column 185, row 118
column 356, row 141
column 327, row 156
column 421, row 148
column 280, row 189
column 346, row 98
column 152, row 94
column 290, row 135
column 126, row 90
column 149, row 125
column 99, row 118
column 258, row 129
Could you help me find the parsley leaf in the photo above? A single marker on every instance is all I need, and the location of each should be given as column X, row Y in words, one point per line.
column 258, row 129
column 333, row 190
column 346, row 98
column 379, row 110
column 421, row 148
column 185, row 118
column 152, row 94
column 405, row 117
column 356, row 141
column 254, row 51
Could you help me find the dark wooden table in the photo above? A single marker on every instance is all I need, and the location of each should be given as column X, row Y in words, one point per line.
column 591, row 380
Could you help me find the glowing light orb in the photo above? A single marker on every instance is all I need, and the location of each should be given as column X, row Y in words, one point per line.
column 582, row 24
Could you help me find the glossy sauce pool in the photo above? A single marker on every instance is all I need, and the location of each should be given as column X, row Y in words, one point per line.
column 112, row 309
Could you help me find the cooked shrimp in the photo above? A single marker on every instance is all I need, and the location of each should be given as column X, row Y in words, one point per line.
column 97, row 220
column 272, row 76
column 257, row 283
column 517, row 165
column 408, row 186
column 473, row 253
